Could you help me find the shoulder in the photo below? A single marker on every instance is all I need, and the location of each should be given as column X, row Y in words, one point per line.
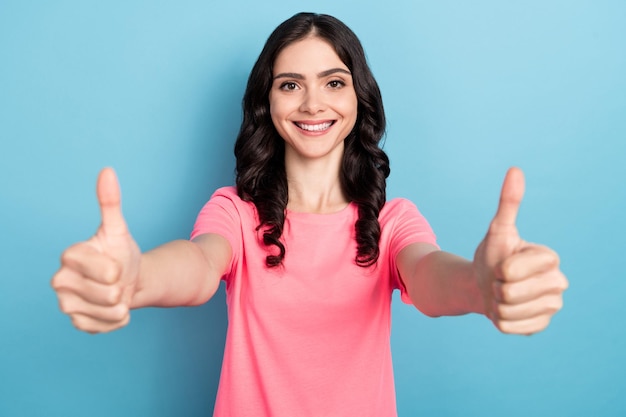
column 401, row 220
column 229, row 192
column 227, row 197
column 226, row 202
column 398, row 204
column 398, row 207
column 225, row 213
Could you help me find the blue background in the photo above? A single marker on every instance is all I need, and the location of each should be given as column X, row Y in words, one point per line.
column 153, row 88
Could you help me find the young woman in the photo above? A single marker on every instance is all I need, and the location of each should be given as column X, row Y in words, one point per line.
column 308, row 246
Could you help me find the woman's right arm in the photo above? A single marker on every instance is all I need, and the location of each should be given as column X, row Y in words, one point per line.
column 182, row 272
column 101, row 279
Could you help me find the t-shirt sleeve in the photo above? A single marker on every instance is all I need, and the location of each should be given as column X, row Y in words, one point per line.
column 409, row 226
column 220, row 215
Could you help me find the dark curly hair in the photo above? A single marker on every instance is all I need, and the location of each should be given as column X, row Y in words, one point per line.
column 260, row 151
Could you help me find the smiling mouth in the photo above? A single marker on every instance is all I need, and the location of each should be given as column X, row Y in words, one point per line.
column 319, row 127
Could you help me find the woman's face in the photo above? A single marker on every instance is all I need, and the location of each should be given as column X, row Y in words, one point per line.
column 313, row 104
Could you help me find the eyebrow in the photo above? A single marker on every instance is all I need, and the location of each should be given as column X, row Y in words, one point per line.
column 322, row 74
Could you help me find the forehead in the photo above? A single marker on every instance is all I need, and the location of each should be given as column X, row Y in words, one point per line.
column 311, row 54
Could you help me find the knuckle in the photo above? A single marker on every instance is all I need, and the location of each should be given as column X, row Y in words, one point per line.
column 119, row 313
column 76, row 322
column 125, row 321
column 66, row 306
column 113, row 295
column 555, row 257
column 558, row 282
column 69, row 255
column 508, row 293
column 556, row 305
column 503, row 326
column 115, row 326
column 505, row 268
column 112, row 272
column 61, row 280
column 66, row 256
column 564, row 283
column 542, row 323
column 551, row 257
column 94, row 326
column 83, row 323
column 56, row 281
column 537, row 325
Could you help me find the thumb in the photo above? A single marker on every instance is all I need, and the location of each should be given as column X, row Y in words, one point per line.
column 510, row 199
column 109, row 199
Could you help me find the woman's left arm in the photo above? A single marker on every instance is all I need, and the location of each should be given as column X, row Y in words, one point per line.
column 518, row 285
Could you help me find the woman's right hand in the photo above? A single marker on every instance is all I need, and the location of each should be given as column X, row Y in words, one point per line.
column 97, row 278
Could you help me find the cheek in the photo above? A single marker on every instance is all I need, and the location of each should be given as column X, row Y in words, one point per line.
column 349, row 103
column 274, row 113
column 350, row 107
column 277, row 117
column 277, row 109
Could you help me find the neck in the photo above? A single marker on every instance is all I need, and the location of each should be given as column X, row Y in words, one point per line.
column 314, row 186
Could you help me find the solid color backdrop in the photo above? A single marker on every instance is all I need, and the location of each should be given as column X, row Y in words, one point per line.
column 470, row 88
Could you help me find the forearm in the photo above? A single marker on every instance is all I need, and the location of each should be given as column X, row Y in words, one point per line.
column 175, row 274
column 443, row 284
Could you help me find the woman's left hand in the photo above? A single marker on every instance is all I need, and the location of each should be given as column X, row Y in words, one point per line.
column 521, row 283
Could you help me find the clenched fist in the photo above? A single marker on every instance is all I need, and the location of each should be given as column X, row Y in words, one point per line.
column 97, row 278
column 521, row 283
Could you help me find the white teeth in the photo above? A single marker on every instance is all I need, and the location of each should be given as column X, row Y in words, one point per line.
column 314, row 128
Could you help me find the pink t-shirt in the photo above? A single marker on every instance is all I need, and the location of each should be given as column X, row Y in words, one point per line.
column 311, row 337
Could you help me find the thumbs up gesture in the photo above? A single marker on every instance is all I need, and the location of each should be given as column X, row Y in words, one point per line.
column 521, row 283
column 97, row 278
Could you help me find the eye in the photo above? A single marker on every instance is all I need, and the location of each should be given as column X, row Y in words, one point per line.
column 336, row 84
column 288, row 86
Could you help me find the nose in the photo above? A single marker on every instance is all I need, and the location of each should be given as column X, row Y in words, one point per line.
column 313, row 102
